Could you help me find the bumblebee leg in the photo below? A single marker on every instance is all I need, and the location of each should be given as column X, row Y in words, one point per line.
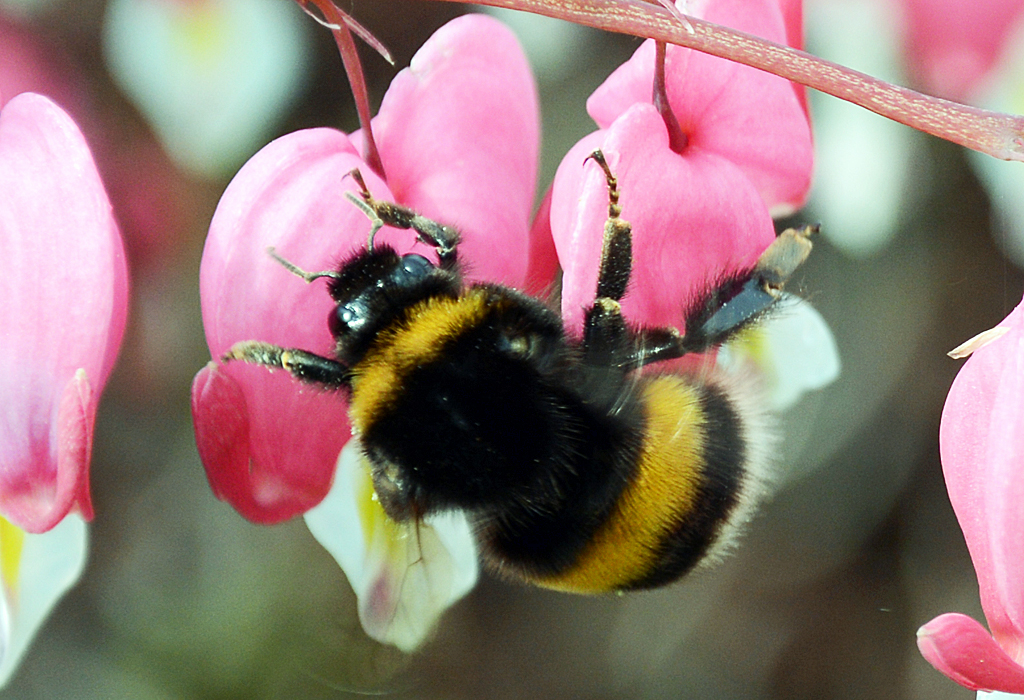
column 444, row 238
column 605, row 335
column 302, row 365
column 742, row 301
column 734, row 304
column 617, row 248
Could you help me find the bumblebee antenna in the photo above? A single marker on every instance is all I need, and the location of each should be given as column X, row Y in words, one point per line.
column 298, row 271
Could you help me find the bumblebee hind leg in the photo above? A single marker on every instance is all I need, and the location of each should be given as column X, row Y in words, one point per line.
column 606, row 338
column 731, row 305
column 738, row 302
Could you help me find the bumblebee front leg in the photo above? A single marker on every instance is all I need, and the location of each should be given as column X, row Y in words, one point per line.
column 444, row 238
column 304, row 366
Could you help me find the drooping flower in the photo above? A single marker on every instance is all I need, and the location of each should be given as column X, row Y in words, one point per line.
column 950, row 45
column 699, row 207
column 981, row 444
column 699, row 196
column 454, row 147
column 458, row 137
column 64, row 283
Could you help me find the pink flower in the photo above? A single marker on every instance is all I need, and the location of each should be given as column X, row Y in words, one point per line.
column 145, row 190
column 64, row 284
column 458, row 136
column 981, row 442
column 951, row 45
column 697, row 209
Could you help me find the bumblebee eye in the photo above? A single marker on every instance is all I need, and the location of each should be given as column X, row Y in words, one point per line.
column 412, row 269
column 347, row 317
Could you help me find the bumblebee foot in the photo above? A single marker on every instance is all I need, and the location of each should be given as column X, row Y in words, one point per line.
column 304, row 366
column 444, row 238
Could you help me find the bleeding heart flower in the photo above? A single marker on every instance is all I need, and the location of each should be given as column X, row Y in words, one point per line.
column 699, row 204
column 458, row 138
column 64, row 283
column 454, row 147
column 65, row 290
column 981, row 443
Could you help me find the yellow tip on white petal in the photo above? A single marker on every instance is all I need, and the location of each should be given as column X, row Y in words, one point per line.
column 12, row 539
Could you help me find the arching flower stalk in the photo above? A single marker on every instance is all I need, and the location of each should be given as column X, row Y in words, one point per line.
column 998, row 135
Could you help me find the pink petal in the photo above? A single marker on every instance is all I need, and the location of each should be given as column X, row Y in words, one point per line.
column 755, row 120
column 459, row 136
column 64, row 283
column 951, row 45
column 290, row 196
column 981, row 441
column 693, row 216
column 543, row 266
column 40, row 497
column 961, row 648
column 247, row 472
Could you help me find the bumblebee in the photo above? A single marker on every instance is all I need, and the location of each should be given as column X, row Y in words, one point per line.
column 579, row 471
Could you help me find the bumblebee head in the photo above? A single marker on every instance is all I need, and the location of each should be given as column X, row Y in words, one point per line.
column 373, row 288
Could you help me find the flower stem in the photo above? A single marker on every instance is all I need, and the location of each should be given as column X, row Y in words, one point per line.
column 999, row 135
column 341, row 26
column 677, row 138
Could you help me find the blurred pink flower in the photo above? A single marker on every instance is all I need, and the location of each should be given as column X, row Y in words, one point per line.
column 981, row 443
column 64, row 284
column 33, row 65
column 145, row 189
column 458, row 136
column 703, row 208
column 951, row 44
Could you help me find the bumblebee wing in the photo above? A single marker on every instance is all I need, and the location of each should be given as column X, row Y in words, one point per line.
column 404, row 575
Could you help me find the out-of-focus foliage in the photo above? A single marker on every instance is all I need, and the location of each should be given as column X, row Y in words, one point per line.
column 183, row 598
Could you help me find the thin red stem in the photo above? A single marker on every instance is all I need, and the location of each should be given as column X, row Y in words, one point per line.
column 677, row 138
column 339, row 25
column 999, row 135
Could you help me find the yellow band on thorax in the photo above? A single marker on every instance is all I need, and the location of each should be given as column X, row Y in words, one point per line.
column 417, row 340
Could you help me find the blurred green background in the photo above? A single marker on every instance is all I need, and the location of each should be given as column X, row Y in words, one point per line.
column 182, row 598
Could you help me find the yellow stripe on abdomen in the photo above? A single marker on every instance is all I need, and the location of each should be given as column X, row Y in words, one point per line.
column 664, row 488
